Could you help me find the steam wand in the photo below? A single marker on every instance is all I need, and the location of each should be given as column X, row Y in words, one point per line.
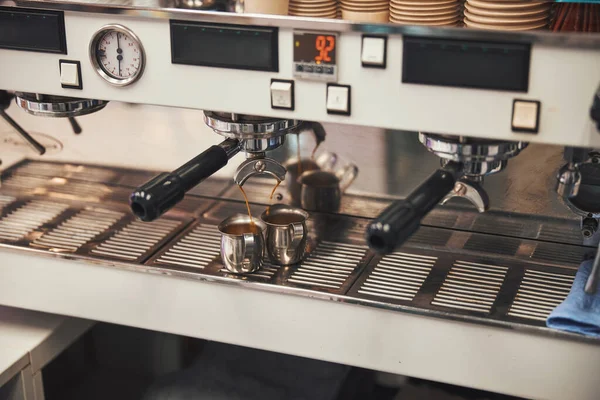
column 5, row 99
column 75, row 125
column 37, row 146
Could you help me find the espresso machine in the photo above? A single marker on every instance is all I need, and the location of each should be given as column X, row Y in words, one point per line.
column 476, row 202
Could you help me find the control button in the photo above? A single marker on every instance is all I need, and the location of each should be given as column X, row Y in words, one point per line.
column 526, row 116
column 308, row 68
column 319, row 70
column 338, row 99
column 299, row 68
column 70, row 74
column 282, row 94
column 373, row 51
column 328, row 70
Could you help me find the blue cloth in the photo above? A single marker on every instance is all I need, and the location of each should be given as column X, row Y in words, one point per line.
column 580, row 312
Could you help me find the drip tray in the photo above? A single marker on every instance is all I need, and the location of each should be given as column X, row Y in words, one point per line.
column 440, row 272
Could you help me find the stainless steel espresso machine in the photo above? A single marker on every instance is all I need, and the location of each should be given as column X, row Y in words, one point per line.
column 477, row 199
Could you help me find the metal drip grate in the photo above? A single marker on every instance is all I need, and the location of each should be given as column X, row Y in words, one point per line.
column 79, row 229
column 516, row 284
column 42, row 185
column 357, row 230
column 497, row 226
column 496, row 245
column 539, row 293
column 471, row 286
column 550, row 252
column 136, row 239
column 398, row 276
column 5, row 200
column 27, row 218
column 24, row 182
column 329, row 265
column 79, row 172
column 196, row 249
column 561, row 233
column 440, row 219
column 430, row 237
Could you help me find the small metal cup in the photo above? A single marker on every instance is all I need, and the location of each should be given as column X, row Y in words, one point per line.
column 286, row 233
column 322, row 190
column 325, row 161
column 242, row 250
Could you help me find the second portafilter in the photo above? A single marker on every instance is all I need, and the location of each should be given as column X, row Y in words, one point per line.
column 464, row 164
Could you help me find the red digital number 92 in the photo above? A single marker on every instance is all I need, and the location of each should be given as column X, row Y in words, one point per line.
column 324, row 45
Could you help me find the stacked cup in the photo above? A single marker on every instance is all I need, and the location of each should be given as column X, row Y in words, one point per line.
column 265, row 6
column 366, row 10
column 425, row 12
column 507, row 15
column 313, row 8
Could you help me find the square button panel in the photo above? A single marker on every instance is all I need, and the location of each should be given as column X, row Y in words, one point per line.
column 70, row 74
column 373, row 53
column 526, row 116
column 282, row 94
column 338, row 99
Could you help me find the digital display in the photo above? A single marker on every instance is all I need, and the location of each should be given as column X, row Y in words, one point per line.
column 224, row 46
column 317, row 48
column 32, row 30
column 467, row 64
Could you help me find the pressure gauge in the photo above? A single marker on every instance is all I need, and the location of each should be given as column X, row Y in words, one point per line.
column 118, row 55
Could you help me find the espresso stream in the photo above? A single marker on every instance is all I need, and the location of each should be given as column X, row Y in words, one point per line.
column 247, row 205
column 251, row 227
column 274, row 219
column 271, row 197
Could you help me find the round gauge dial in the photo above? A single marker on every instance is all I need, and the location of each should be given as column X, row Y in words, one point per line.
column 117, row 55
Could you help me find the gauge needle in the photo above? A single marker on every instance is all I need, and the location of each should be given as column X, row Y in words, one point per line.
column 119, row 51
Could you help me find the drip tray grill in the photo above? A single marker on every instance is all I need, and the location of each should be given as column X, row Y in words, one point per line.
column 196, row 249
column 471, row 286
column 539, row 293
column 61, row 187
column 27, row 218
column 5, row 201
column 79, row 229
column 79, row 172
column 136, row 240
column 398, row 276
column 440, row 272
column 330, row 266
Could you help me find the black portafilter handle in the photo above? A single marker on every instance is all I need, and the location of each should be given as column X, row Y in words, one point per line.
column 164, row 191
column 401, row 219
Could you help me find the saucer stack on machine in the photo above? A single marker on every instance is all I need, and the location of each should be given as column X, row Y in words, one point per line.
column 314, row 8
column 425, row 12
column 366, row 10
column 507, row 15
